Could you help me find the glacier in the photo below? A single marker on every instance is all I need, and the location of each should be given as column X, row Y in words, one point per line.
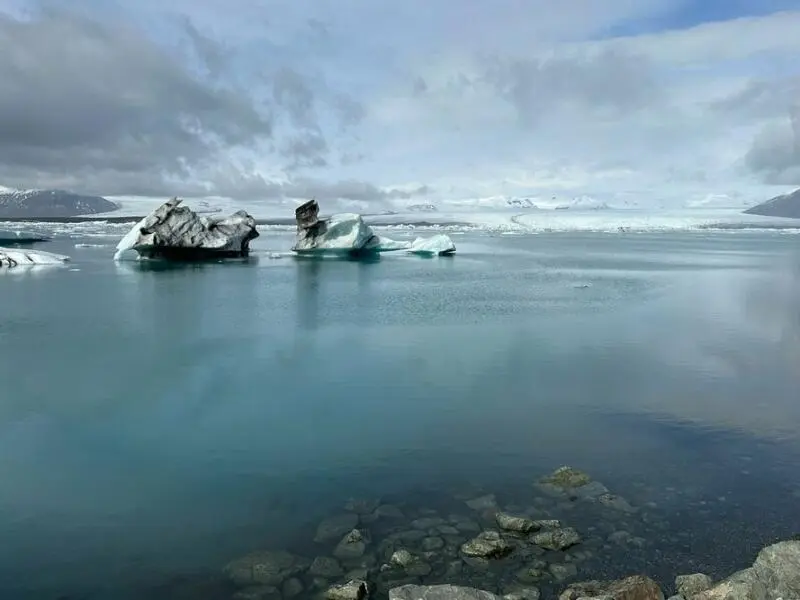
column 16, row 257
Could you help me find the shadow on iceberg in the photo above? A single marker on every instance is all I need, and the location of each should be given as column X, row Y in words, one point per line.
column 345, row 235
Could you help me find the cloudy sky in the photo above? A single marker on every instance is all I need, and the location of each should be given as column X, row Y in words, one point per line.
column 413, row 101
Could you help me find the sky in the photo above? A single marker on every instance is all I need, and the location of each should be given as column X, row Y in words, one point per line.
column 367, row 102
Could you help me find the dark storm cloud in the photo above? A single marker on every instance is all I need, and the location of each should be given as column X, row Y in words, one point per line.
column 98, row 107
column 609, row 79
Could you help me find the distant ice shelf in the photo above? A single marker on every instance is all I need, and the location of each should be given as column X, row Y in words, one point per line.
column 17, row 257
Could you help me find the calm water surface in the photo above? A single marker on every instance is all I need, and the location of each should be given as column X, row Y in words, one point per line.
column 157, row 422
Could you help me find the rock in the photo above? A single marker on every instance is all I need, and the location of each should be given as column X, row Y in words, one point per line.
column 402, row 558
column 689, row 585
column 263, row 592
column 335, row 527
column 488, row 544
column 743, row 585
column 266, row 568
column 439, row 592
column 430, row 544
column 353, row 545
column 292, row 587
column 516, row 592
column 593, row 490
column 352, row 590
column 176, row 232
column 547, row 524
column 17, row 257
column 778, row 568
column 387, row 511
column 512, row 523
column 566, row 477
column 557, row 539
column 411, row 564
column 361, row 506
column 563, row 572
column 616, row 502
column 427, row 523
column 487, row 502
column 637, row 587
column 676, row 597
column 325, row 566
column 450, row 530
column 468, row 526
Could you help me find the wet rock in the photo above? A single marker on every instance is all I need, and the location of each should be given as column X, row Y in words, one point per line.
column 477, row 563
column 325, row 566
column 335, row 527
column 616, row 502
column 563, row 572
column 292, row 587
column 361, row 573
column 557, row 539
column 352, row 590
column 412, row 565
column 361, row 506
column 546, row 524
column 427, row 522
column 744, row 585
column 689, row 585
column 566, row 477
column 266, row 568
column 488, row 544
column 516, row 524
column 430, row 544
column 676, row 597
column 353, row 545
column 411, row 536
column 533, row 572
column 402, row 558
column 637, row 587
column 516, row 592
column 778, row 568
column 262, row 592
column 482, row 503
column 439, row 592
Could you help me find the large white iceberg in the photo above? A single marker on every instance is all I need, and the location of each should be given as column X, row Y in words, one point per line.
column 17, row 257
column 176, row 232
column 346, row 233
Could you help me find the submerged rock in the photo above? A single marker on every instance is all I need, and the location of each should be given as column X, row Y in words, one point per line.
column 482, row 503
column 488, row 544
column 352, row 590
column 439, row 592
column 325, row 566
column 176, row 232
column 566, row 477
column 267, row 568
column 353, row 545
column 335, row 527
column 637, row 587
column 263, row 592
column 557, row 539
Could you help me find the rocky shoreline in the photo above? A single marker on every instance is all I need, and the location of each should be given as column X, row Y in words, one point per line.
column 489, row 551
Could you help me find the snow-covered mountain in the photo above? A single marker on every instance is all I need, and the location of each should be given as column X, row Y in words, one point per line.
column 718, row 201
column 787, row 205
column 50, row 203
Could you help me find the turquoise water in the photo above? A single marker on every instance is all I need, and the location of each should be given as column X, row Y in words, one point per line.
column 156, row 422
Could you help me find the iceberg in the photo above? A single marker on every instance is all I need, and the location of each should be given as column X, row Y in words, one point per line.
column 176, row 232
column 438, row 245
column 20, row 237
column 16, row 257
column 348, row 234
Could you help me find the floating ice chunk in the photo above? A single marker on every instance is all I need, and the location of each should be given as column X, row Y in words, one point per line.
column 175, row 232
column 15, row 257
column 440, row 245
column 344, row 232
column 389, row 245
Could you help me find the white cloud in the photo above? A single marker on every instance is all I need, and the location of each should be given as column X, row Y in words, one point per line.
column 468, row 98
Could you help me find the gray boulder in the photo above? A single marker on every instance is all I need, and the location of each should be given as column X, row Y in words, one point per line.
column 488, row 544
column 778, row 568
column 175, row 232
column 264, row 568
column 439, row 592
column 557, row 539
column 637, row 587
column 689, row 585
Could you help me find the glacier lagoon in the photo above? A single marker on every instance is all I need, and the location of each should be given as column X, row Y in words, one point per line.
column 159, row 421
